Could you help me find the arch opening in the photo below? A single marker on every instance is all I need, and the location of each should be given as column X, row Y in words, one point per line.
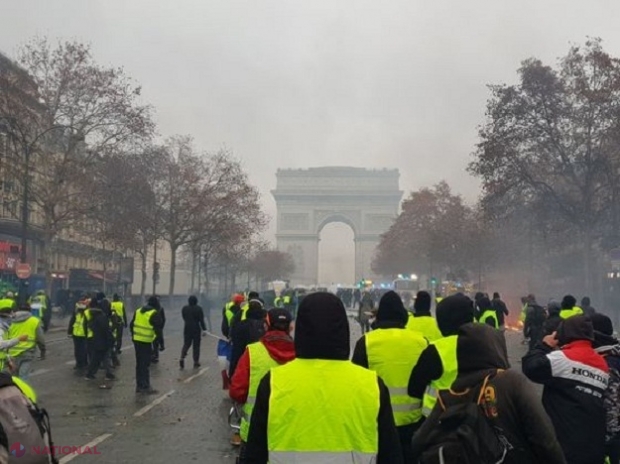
column 336, row 253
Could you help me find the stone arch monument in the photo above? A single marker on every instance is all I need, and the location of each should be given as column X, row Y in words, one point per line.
column 309, row 199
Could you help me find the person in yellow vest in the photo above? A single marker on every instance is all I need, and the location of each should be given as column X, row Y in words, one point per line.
column 230, row 310
column 39, row 304
column 145, row 327
column 119, row 318
column 569, row 307
column 78, row 331
column 437, row 367
column 6, row 315
column 275, row 348
column 8, row 302
column 392, row 350
column 421, row 320
column 22, row 354
column 242, row 315
column 487, row 314
column 321, row 408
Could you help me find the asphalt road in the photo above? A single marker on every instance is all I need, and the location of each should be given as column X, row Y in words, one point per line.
column 185, row 422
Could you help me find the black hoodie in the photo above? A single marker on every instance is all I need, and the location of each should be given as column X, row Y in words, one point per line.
column 520, row 418
column 321, row 332
column 242, row 333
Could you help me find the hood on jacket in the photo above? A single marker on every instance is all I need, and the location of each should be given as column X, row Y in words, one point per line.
column 322, row 328
column 255, row 311
column 21, row 315
column 453, row 312
column 391, row 308
column 554, row 308
column 280, row 346
column 481, row 349
column 575, row 328
column 422, row 303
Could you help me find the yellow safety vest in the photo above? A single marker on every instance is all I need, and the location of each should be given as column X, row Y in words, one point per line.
column 26, row 327
column 446, row 347
column 26, row 389
column 119, row 308
column 392, row 354
column 523, row 313
column 143, row 330
column 566, row 313
column 316, row 396
column 278, row 302
column 260, row 363
column 89, row 317
column 228, row 312
column 426, row 325
column 244, row 310
column 78, row 325
column 287, row 299
column 489, row 313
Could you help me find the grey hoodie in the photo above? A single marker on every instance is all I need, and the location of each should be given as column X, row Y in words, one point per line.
column 5, row 323
column 40, row 337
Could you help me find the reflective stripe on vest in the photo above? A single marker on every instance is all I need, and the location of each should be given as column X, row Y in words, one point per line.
column 566, row 313
column 26, row 327
column 426, row 325
column 229, row 313
column 392, row 354
column 492, row 314
column 316, row 396
column 244, row 311
column 446, row 347
column 143, row 330
column 26, row 389
column 119, row 308
column 260, row 363
column 78, row 325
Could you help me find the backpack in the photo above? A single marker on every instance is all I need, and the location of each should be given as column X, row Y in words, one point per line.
column 462, row 433
column 26, row 426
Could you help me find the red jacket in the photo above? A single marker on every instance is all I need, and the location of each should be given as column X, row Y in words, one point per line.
column 281, row 348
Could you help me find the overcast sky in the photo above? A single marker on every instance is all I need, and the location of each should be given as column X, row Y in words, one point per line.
column 293, row 84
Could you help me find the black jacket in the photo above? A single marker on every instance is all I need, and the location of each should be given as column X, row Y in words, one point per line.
column 501, row 309
column 102, row 339
column 245, row 332
column 520, row 418
column 575, row 379
column 194, row 319
column 225, row 327
column 325, row 335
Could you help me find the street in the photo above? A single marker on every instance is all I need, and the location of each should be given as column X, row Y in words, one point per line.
column 186, row 421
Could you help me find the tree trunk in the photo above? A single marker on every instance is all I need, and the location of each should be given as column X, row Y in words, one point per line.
column 587, row 260
column 205, row 269
column 104, row 262
column 173, row 268
column 143, row 273
column 193, row 279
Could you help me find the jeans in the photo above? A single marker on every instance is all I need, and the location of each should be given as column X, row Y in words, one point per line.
column 100, row 357
column 23, row 367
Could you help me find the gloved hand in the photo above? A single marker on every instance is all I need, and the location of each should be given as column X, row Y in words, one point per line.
column 204, row 333
column 161, row 347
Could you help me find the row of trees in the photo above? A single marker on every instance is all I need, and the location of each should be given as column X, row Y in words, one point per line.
column 549, row 160
column 85, row 148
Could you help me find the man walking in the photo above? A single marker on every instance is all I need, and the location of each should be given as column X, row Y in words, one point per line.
column 102, row 342
column 194, row 319
column 145, row 327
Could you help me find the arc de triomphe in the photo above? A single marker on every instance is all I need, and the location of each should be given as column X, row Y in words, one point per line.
column 308, row 199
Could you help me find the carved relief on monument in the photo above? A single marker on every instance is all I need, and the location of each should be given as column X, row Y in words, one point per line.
column 377, row 222
column 294, row 221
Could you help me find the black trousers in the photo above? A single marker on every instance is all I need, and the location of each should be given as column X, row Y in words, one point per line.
column 80, row 352
column 405, row 434
column 155, row 350
column 99, row 357
column 143, row 363
column 191, row 339
column 119, row 337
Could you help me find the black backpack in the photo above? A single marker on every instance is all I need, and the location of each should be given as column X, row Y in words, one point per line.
column 462, row 433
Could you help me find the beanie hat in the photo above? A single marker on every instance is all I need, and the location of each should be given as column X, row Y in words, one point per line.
column 569, row 302
column 391, row 308
column 279, row 318
column 237, row 299
column 422, row 303
column 453, row 312
column 153, row 302
column 602, row 324
column 322, row 328
column 575, row 328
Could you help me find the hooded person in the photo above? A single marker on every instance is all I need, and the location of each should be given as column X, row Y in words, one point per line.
column 274, row 348
column 101, row 341
column 534, row 324
column 553, row 320
column 586, row 306
column 437, row 367
column 421, row 320
column 486, row 313
column 231, row 308
column 608, row 347
column 320, row 407
column 392, row 350
column 24, row 352
column 145, row 327
column 575, row 378
column 501, row 309
column 246, row 331
column 513, row 409
column 569, row 307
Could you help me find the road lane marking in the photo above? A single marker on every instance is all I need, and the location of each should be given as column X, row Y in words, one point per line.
column 92, row 444
column 39, row 372
column 150, row 406
column 200, row 372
